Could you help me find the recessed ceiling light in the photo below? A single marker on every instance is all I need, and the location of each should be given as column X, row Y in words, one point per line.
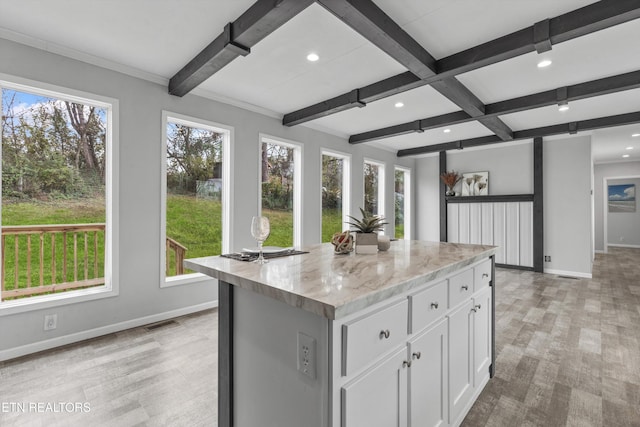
column 446, row 130
column 629, row 148
column 399, row 104
column 312, row 57
column 544, row 63
column 563, row 107
column 635, row 135
column 625, row 155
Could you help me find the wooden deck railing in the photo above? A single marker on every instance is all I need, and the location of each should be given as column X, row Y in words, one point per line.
column 38, row 259
column 179, row 253
column 65, row 257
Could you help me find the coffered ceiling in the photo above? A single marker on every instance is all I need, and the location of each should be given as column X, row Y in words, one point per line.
column 156, row 39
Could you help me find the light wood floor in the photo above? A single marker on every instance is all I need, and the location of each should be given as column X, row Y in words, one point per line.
column 568, row 351
column 568, row 354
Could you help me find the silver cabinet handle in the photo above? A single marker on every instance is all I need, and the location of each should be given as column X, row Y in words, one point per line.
column 434, row 305
column 465, row 288
column 416, row 355
column 478, row 306
column 485, row 275
column 406, row 364
column 385, row 334
column 474, row 309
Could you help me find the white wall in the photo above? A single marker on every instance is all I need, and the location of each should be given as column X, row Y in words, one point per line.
column 428, row 198
column 602, row 171
column 510, row 172
column 567, row 205
column 511, row 167
column 141, row 103
column 567, row 193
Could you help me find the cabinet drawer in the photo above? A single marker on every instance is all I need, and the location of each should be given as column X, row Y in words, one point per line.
column 366, row 338
column 460, row 287
column 428, row 305
column 482, row 273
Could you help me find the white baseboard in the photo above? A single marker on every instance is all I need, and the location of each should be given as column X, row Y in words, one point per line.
column 568, row 273
column 623, row 246
column 35, row 347
column 598, row 251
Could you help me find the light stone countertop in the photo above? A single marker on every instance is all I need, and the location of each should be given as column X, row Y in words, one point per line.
column 334, row 286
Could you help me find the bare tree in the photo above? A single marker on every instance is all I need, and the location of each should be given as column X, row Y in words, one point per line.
column 83, row 121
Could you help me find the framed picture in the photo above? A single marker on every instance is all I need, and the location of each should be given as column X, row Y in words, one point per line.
column 622, row 198
column 475, row 183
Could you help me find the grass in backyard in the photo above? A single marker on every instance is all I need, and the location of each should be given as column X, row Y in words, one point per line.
column 331, row 223
column 36, row 262
column 194, row 223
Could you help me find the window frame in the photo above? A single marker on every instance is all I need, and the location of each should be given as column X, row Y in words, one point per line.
column 227, row 193
column 381, row 184
column 407, row 200
column 111, row 287
column 297, row 179
column 346, row 183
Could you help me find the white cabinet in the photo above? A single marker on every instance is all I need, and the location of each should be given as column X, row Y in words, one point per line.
column 378, row 398
column 428, row 385
column 421, row 360
column 460, row 357
column 370, row 336
column 481, row 336
column 469, row 350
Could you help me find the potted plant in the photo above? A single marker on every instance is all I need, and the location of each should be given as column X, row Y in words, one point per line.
column 450, row 179
column 366, row 229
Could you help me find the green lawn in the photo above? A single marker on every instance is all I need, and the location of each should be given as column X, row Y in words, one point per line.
column 194, row 223
column 332, row 223
column 80, row 211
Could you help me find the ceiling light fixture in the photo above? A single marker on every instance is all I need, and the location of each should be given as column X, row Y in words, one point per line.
column 544, row 63
column 446, row 130
column 399, row 104
column 635, row 135
column 629, row 148
column 563, row 106
column 625, row 155
column 312, row 57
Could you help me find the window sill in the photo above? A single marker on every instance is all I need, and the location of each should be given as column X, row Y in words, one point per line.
column 44, row 302
column 185, row 279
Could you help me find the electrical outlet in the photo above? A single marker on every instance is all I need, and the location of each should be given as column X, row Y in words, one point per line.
column 547, row 258
column 50, row 322
column 307, row 355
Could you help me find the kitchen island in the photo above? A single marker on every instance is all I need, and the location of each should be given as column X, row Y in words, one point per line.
column 403, row 337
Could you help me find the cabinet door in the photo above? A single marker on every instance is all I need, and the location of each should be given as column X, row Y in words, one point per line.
column 378, row 398
column 428, row 386
column 482, row 336
column 460, row 358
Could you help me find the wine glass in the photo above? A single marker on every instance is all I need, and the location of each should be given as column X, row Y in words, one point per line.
column 260, row 230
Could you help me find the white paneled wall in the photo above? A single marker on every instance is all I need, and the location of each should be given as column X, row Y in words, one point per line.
column 508, row 225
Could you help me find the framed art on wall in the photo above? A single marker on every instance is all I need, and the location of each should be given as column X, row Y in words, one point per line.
column 475, row 184
column 622, row 198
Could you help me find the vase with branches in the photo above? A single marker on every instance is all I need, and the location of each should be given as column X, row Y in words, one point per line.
column 450, row 179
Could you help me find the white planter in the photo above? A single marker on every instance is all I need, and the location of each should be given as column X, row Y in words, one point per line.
column 366, row 243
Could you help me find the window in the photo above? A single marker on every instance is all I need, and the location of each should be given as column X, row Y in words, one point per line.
column 281, row 190
column 374, row 187
column 196, row 193
column 335, row 193
column 57, row 196
column 402, row 203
